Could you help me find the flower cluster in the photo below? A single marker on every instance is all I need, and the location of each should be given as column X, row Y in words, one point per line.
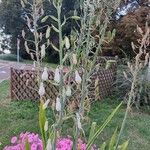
column 64, row 144
column 19, row 143
column 67, row 144
column 36, row 143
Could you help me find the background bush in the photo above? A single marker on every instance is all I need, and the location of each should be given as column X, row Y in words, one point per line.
column 10, row 57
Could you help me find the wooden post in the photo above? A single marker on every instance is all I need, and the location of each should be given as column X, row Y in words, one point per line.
column 11, row 83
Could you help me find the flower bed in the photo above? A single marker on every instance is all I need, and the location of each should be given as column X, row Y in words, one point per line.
column 35, row 143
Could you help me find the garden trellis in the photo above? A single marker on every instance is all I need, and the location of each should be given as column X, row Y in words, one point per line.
column 24, row 85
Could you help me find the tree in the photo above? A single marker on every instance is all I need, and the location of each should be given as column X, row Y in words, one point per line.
column 13, row 20
column 126, row 27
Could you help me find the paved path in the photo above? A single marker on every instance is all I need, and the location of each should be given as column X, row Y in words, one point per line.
column 5, row 68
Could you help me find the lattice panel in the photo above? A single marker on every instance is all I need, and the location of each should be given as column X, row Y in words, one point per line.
column 24, row 85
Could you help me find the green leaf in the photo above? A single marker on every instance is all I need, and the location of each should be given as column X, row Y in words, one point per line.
column 101, row 128
column 124, row 146
column 26, row 47
column 64, row 22
column 54, row 47
column 42, row 120
column 44, row 19
column 109, row 35
column 48, row 32
column 55, row 29
column 65, row 57
column 54, row 18
column 109, row 63
column 27, row 145
column 103, row 146
column 75, row 17
column 92, row 131
column 113, row 33
column 113, row 140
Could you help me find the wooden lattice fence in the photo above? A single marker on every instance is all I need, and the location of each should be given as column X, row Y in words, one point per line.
column 24, row 85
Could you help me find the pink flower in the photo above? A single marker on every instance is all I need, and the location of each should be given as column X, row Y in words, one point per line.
column 40, row 146
column 33, row 146
column 33, row 139
column 36, row 143
column 14, row 140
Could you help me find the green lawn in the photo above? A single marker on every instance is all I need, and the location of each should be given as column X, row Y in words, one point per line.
column 51, row 65
column 16, row 117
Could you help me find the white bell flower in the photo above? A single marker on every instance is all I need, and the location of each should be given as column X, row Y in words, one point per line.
column 41, row 89
column 68, row 91
column 78, row 121
column 57, row 76
column 74, row 58
column 45, row 74
column 58, row 104
column 43, row 51
column 77, row 77
column 67, row 42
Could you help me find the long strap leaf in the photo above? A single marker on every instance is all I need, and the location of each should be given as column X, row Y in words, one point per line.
column 27, row 145
column 101, row 128
column 42, row 120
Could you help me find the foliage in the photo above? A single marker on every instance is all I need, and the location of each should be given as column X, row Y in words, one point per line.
column 13, row 23
column 81, row 40
column 21, row 116
column 11, row 20
column 126, row 30
column 26, row 119
column 74, row 51
column 123, row 86
column 111, row 144
column 135, row 68
column 10, row 57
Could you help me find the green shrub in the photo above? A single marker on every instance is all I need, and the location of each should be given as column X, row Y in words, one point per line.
column 10, row 57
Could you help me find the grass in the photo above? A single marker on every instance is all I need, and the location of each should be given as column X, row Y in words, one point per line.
column 10, row 57
column 136, row 130
column 20, row 116
column 15, row 117
column 51, row 65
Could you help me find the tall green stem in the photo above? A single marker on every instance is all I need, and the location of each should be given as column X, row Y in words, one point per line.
column 61, row 62
column 84, row 78
column 36, row 38
column 127, row 109
column 61, row 84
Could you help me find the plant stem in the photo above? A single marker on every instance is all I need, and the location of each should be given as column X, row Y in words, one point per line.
column 59, row 121
column 61, row 62
column 36, row 39
column 84, row 79
column 127, row 109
